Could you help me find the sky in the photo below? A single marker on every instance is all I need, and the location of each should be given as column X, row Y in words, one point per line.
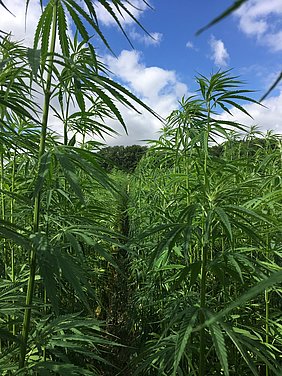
column 161, row 68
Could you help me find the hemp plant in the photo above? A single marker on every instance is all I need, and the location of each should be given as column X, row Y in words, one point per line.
column 205, row 240
column 59, row 72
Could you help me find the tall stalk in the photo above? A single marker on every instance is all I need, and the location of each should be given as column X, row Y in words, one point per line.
column 204, row 255
column 2, row 213
column 37, row 204
column 12, row 215
column 3, row 206
column 13, row 276
column 202, row 365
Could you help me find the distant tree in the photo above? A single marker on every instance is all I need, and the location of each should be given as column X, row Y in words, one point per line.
column 124, row 158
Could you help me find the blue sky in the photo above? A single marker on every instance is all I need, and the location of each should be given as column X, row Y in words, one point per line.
column 161, row 70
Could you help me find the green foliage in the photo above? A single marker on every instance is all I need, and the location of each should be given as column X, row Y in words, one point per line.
column 173, row 270
column 208, row 228
column 124, row 158
column 57, row 239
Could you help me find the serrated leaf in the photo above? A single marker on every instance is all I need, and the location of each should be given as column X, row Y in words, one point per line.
column 220, row 347
column 183, row 337
column 223, row 217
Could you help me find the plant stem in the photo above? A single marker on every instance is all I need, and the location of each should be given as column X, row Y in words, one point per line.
column 267, row 301
column 3, row 208
column 36, row 216
column 204, row 255
column 3, row 216
column 13, row 277
column 202, row 365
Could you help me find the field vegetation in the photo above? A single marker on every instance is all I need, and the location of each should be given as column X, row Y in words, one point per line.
column 169, row 264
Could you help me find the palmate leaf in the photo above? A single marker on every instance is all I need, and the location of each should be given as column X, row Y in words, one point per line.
column 231, row 259
column 219, row 344
column 48, row 269
column 183, row 336
column 122, row 7
column 87, row 235
column 101, row 84
column 240, row 210
column 260, row 287
column 7, row 335
column 188, row 215
column 268, row 198
column 68, row 334
column 238, row 106
column 17, row 197
column 244, row 352
column 168, row 239
column 43, row 171
column 66, row 369
column 19, row 105
column 74, row 273
column 68, row 169
column 223, row 217
column 252, row 343
column 89, row 18
column 14, row 233
column 87, row 161
column 12, row 300
column 78, row 23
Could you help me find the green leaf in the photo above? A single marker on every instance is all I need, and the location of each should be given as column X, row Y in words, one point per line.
column 34, row 59
column 223, row 217
column 63, row 28
column 7, row 335
column 244, row 352
column 248, row 295
column 47, row 19
column 227, row 12
column 44, row 168
column 4, row 6
column 69, row 172
column 11, row 231
column 220, row 347
column 183, row 336
column 276, row 82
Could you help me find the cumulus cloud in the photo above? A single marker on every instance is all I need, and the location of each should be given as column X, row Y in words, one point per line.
column 159, row 88
column 261, row 19
column 219, row 54
column 154, row 39
column 16, row 24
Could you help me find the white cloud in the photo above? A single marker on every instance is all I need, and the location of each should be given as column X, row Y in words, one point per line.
column 148, row 82
column 219, row 55
column 157, row 87
column 135, row 7
column 16, row 24
column 153, row 39
column 262, row 19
